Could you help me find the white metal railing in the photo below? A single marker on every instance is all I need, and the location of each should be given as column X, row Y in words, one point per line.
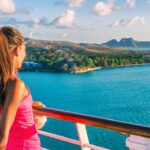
column 83, row 141
column 138, row 135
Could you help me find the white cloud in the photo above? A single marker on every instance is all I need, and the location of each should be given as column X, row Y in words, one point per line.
column 75, row 3
column 36, row 23
column 119, row 23
column 7, row 6
column 103, row 9
column 136, row 20
column 64, row 35
column 131, row 3
column 65, row 20
column 123, row 23
column 30, row 34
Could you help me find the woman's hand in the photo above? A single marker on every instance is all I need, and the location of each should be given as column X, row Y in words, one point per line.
column 38, row 104
column 38, row 119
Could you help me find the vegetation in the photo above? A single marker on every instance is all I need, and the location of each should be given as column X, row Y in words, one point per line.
column 69, row 57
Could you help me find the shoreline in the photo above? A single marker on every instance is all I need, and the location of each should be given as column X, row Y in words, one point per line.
column 92, row 69
column 84, row 70
column 127, row 65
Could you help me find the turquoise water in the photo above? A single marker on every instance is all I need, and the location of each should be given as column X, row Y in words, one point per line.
column 121, row 93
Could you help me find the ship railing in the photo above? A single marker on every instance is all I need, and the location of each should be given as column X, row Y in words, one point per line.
column 138, row 136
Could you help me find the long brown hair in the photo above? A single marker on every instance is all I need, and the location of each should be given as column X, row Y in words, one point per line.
column 9, row 36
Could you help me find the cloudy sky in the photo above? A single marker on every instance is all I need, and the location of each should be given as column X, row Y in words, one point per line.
column 93, row 21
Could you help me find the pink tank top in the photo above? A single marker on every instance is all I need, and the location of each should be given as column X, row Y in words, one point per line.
column 23, row 133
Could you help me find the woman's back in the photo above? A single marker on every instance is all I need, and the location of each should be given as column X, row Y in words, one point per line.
column 17, row 127
column 23, row 133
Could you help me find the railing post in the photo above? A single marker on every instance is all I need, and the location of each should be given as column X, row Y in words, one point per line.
column 82, row 134
column 138, row 143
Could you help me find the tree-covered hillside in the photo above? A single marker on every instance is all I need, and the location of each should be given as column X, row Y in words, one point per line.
column 71, row 57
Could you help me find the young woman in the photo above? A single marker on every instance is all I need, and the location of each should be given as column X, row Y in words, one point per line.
column 17, row 125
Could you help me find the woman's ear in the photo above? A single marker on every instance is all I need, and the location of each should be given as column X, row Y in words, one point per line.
column 17, row 50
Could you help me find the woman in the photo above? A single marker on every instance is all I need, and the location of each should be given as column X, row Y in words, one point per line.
column 17, row 126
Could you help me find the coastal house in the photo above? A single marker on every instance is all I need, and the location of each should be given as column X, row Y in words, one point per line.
column 70, row 59
column 31, row 65
column 60, row 52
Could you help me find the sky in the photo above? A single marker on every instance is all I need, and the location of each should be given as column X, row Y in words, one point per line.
column 92, row 21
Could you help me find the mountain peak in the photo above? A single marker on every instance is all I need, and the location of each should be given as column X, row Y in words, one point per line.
column 126, row 39
column 127, row 42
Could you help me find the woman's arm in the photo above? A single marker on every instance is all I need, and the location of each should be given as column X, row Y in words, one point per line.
column 13, row 97
column 3, row 140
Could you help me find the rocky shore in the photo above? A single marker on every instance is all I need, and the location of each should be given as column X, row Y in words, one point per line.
column 84, row 69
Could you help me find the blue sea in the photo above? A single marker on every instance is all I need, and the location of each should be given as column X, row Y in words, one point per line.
column 121, row 93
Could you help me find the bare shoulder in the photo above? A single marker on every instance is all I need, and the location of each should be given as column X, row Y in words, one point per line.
column 15, row 83
column 15, row 87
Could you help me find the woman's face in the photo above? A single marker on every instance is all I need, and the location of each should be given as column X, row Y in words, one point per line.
column 20, row 55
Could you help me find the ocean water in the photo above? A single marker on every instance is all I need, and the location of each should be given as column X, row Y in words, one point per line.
column 121, row 93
